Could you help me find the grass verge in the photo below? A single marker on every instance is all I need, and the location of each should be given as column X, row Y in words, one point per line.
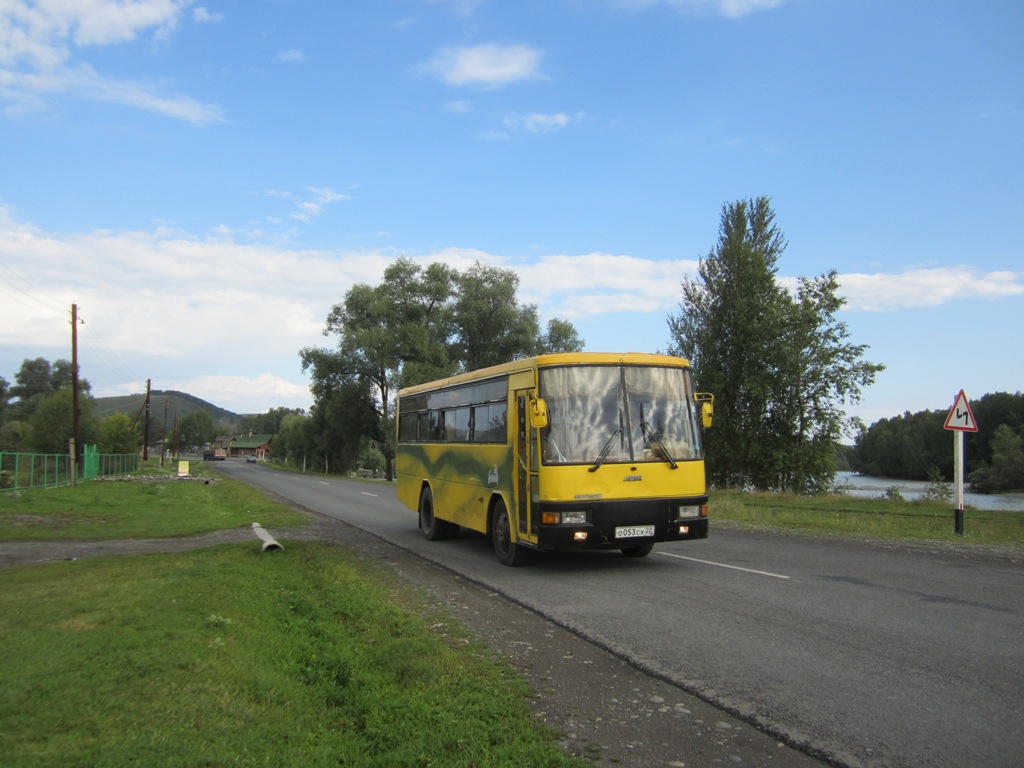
column 843, row 515
column 227, row 657
column 151, row 504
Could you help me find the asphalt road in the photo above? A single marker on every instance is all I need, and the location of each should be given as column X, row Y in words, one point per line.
column 868, row 654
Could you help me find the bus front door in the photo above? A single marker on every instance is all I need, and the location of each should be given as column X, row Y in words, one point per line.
column 526, row 463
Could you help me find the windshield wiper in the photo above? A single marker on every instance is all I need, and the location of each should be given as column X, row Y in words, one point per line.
column 649, row 433
column 604, row 451
column 653, row 437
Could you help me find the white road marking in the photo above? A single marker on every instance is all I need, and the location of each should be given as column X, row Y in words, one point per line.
column 368, row 494
column 724, row 565
column 324, row 482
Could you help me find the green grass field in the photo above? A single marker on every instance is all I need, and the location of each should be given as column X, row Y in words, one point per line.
column 155, row 507
column 879, row 518
column 225, row 656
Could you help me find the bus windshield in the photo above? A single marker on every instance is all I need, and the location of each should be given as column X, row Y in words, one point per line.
column 624, row 413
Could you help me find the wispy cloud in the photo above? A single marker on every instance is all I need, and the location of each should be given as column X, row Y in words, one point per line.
column 292, row 54
column 485, row 66
column 312, row 204
column 201, row 15
column 41, row 45
column 730, row 8
column 461, row 7
column 932, row 287
column 536, row 122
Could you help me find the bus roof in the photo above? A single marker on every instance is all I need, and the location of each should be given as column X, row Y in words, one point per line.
column 557, row 358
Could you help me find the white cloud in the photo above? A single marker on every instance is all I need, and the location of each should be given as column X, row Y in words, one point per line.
column 225, row 320
column 728, row 8
column 201, row 15
column 932, row 287
column 486, row 66
column 234, row 392
column 576, row 286
column 536, row 122
column 461, row 7
column 40, row 44
column 312, row 204
column 173, row 306
column 292, row 54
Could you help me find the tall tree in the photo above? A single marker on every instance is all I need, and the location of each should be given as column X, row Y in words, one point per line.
column 417, row 325
column 268, row 423
column 732, row 316
column 490, row 325
column 561, row 336
column 390, row 334
column 196, row 429
column 822, row 371
column 5, row 395
column 293, row 441
column 1006, row 470
column 51, row 423
column 117, row 434
column 32, row 381
column 779, row 365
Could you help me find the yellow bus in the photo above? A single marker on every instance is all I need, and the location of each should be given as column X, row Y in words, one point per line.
column 568, row 450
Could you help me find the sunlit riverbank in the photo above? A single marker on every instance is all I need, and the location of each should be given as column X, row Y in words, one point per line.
column 859, row 485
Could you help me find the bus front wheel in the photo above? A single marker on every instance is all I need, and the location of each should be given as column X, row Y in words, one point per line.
column 506, row 550
column 433, row 529
column 642, row 550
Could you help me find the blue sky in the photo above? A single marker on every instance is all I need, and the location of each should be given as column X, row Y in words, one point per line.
column 205, row 179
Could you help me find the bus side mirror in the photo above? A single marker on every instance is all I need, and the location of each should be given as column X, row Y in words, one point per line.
column 538, row 413
column 707, row 407
column 707, row 411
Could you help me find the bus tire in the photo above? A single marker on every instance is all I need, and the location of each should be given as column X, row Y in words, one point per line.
column 507, row 551
column 643, row 550
column 433, row 529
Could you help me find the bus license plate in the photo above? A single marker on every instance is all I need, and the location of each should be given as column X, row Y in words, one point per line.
column 633, row 531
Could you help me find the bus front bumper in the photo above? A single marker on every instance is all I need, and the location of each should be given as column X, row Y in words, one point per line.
column 619, row 525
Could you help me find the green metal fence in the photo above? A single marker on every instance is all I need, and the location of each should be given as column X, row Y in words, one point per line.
column 41, row 470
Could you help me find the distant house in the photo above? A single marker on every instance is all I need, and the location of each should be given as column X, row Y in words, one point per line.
column 223, row 441
column 252, row 445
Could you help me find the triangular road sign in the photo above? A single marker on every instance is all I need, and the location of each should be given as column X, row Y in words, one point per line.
column 960, row 417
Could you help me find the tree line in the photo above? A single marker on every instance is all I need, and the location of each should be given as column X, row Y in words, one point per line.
column 36, row 416
column 36, row 412
column 917, row 446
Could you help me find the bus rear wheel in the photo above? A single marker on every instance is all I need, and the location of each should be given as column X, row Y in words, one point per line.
column 433, row 529
column 507, row 551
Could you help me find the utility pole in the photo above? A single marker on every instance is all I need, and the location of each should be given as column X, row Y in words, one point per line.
column 145, row 432
column 75, row 411
column 163, row 442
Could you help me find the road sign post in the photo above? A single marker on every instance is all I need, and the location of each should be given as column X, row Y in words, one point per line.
column 959, row 420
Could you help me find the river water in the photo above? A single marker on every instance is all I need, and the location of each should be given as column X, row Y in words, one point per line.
column 860, row 485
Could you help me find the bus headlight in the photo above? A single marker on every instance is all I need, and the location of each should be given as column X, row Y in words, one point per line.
column 564, row 518
column 686, row 511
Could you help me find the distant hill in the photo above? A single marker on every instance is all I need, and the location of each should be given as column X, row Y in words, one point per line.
column 180, row 402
